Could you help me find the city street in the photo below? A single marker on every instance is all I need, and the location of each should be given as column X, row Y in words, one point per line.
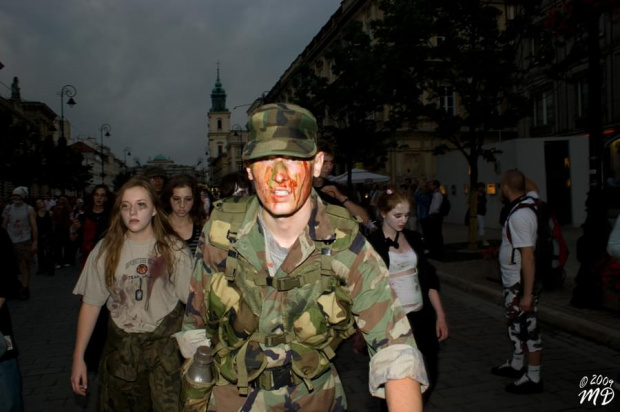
column 45, row 331
column 477, row 342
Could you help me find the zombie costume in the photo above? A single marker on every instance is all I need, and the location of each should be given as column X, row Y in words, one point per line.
column 140, row 363
column 275, row 315
column 422, row 317
column 523, row 327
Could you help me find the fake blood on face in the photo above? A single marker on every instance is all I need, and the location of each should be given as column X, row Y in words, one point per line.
column 282, row 184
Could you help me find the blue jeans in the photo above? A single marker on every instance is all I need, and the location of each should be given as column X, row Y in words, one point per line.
column 10, row 386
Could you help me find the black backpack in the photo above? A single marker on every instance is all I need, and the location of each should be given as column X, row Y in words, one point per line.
column 444, row 208
column 551, row 251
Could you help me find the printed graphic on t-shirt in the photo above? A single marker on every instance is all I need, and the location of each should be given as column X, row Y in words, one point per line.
column 134, row 288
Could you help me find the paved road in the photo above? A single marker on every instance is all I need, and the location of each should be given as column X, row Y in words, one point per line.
column 45, row 331
column 477, row 342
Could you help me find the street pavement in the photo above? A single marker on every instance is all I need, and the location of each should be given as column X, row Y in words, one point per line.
column 580, row 345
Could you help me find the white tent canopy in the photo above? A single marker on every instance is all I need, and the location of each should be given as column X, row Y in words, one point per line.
column 360, row 176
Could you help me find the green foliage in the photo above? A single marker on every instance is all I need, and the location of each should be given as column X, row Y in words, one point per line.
column 19, row 157
column 351, row 100
column 457, row 48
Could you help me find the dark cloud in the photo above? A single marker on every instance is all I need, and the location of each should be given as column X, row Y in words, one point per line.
column 147, row 67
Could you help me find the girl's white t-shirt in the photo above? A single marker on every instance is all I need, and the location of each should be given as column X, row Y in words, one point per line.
column 143, row 293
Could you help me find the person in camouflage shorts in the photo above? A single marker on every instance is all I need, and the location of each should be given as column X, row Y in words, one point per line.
column 282, row 277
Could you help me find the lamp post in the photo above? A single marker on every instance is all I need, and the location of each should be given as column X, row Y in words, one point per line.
column 126, row 152
column 70, row 91
column 104, row 128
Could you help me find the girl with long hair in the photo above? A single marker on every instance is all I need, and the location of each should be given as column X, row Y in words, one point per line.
column 140, row 270
column 182, row 203
column 412, row 277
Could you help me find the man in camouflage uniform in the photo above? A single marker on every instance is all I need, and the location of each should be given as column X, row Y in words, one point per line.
column 283, row 277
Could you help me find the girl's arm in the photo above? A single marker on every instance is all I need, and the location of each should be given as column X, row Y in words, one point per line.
column 86, row 323
column 442, row 325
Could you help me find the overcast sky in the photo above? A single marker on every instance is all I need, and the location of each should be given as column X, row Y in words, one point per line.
column 147, row 67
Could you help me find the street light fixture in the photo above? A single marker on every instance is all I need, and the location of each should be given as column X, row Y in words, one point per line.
column 104, row 128
column 126, row 152
column 70, row 91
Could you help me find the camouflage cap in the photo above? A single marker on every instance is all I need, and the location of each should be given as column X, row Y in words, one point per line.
column 154, row 171
column 281, row 129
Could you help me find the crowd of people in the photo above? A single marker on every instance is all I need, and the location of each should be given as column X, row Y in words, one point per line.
column 273, row 277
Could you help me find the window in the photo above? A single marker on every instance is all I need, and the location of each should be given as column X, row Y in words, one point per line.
column 544, row 109
column 220, row 148
column 511, row 12
column 446, row 100
column 219, row 124
column 581, row 98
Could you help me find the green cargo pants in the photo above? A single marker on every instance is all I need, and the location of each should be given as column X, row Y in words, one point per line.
column 141, row 371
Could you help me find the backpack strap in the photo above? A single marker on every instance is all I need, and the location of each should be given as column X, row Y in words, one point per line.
column 520, row 205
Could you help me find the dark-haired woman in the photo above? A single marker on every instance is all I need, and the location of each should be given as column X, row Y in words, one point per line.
column 182, row 203
column 92, row 224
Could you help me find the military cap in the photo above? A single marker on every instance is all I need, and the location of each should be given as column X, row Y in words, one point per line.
column 281, row 129
column 154, row 171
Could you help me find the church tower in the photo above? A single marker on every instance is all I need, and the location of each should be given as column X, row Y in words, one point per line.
column 219, row 122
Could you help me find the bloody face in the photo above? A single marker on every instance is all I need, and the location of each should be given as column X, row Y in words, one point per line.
column 283, row 184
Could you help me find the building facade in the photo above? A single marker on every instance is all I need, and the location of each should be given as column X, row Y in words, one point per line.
column 559, row 104
column 225, row 141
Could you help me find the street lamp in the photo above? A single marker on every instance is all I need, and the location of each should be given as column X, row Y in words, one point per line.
column 126, row 152
column 69, row 91
column 104, row 128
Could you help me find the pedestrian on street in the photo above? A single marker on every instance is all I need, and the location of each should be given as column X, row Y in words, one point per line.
column 412, row 277
column 181, row 200
column 157, row 176
column 45, row 229
column 235, row 184
column 517, row 262
column 62, row 223
column 481, row 211
column 92, row 224
column 423, row 199
column 141, row 271
column 333, row 193
column 87, row 232
column 433, row 233
column 293, row 274
column 10, row 375
column 19, row 220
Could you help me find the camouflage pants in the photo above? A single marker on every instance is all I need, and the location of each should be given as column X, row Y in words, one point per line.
column 141, row 371
column 523, row 328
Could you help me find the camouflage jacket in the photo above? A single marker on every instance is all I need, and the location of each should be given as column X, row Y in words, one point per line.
column 357, row 268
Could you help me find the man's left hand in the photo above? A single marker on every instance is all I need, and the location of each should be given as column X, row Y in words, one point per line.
column 526, row 303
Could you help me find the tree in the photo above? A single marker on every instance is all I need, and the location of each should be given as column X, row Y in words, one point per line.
column 19, row 157
column 466, row 66
column 63, row 167
column 351, row 101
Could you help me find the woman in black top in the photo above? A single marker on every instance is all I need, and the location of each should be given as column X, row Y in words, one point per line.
column 182, row 203
column 413, row 279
